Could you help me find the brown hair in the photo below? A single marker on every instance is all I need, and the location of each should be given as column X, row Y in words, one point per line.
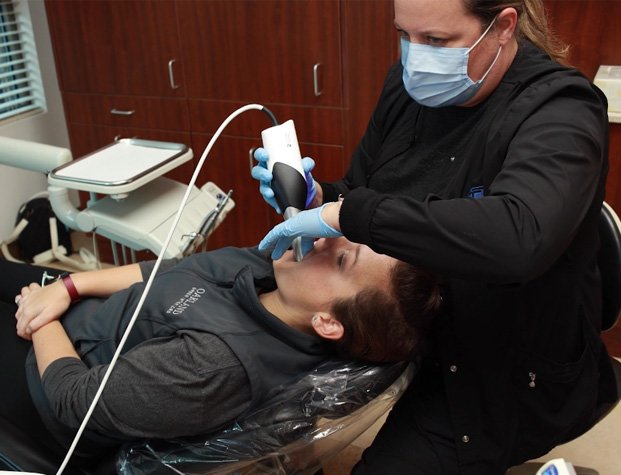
column 390, row 326
column 532, row 23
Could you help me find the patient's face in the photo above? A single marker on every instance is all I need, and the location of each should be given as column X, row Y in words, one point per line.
column 334, row 269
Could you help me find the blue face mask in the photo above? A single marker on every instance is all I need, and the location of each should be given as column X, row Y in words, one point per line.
column 436, row 76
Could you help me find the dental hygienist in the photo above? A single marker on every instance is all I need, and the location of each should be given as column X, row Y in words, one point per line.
column 485, row 161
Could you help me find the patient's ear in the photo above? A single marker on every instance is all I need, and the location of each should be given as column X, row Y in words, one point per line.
column 327, row 326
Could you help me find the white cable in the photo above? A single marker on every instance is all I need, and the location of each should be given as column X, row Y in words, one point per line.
column 150, row 280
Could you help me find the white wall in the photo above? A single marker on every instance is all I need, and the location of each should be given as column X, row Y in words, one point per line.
column 16, row 185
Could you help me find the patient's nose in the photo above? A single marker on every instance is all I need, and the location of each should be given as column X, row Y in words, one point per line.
column 320, row 244
column 329, row 244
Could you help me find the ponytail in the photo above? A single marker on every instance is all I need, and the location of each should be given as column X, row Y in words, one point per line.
column 533, row 24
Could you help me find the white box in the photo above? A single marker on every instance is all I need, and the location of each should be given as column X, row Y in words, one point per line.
column 608, row 79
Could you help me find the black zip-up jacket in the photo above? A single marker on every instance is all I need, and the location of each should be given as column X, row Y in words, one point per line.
column 502, row 200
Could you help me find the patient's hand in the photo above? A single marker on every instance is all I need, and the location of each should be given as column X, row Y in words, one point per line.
column 38, row 306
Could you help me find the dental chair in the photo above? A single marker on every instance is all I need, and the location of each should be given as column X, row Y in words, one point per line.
column 294, row 432
column 298, row 428
column 295, row 435
column 304, row 424
column 610, row 269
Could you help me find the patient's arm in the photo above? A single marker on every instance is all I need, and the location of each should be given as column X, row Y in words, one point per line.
column 51, row 343
column 39, row 306
column 186, row 384
column 105, row 282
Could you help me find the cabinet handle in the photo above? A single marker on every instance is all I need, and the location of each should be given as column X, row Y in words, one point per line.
column 121, row 112
column 171, row 74
column 318, row 91
column 251, row 157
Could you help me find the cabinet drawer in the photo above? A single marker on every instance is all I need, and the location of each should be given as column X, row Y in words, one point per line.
column 127, row 111
column 312, row 124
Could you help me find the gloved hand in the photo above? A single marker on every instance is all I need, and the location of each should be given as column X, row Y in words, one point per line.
column 261, row 173
column 309, row 225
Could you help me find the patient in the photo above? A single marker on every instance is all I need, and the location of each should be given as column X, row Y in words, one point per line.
column 217, row 332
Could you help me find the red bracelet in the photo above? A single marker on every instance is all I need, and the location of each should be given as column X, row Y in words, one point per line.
column 70, row 286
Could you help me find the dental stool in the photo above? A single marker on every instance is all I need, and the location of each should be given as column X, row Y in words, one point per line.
column 609, row 262
column 294, row 432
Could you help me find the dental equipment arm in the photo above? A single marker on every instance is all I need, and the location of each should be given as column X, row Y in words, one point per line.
column 140, row 205
column 33, row 156
column 41, row 158
column 209, row 223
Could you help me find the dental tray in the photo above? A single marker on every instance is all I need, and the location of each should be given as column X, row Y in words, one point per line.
column 120, row 167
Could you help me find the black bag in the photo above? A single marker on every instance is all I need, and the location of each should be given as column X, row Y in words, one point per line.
column 35, row 238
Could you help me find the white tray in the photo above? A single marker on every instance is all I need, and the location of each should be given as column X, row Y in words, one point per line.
column 120, row 167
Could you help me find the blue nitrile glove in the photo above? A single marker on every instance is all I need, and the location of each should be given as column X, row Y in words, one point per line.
column 261, row 173
column 307, row 224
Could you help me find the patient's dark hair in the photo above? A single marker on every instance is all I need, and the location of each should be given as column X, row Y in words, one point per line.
column 387, row 326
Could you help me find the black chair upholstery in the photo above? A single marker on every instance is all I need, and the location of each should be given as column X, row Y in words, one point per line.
column 21, row 451
column 610, row 266
column 610, row 269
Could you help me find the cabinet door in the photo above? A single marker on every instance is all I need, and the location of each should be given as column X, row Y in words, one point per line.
column 228, row 166
column 592, row 30
column 108, row 46
column 278, row 51
column 369, row 36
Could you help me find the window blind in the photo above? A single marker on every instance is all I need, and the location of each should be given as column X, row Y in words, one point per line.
column 20, row 78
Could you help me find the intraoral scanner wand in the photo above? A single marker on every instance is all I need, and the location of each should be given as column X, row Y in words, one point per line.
column 289, row 181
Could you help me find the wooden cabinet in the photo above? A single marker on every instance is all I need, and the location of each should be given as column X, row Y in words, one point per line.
column 229, row 162
column 591, row 28
column 273, row 50
column 114, row 47
column 118, row 68
column 174, row 70
column 285, row 55
column 229, row 165
column 95, row 120
column 370, row 46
